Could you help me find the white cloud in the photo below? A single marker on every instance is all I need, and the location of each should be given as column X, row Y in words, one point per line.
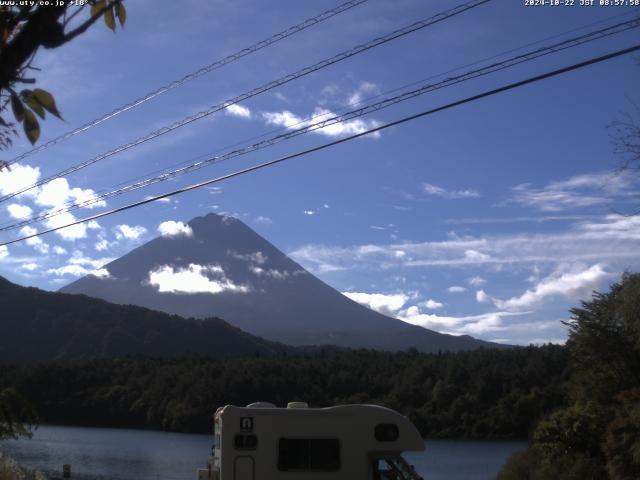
column 431, row 189
column 4, row 251
column 612, row 226
column 432, row 304
column 382, row 303
column 342, row 129
column 72, row 270
column 476, row 281
column 263, row 220
column 365, row 88
column 93, row 225
column 18, row 211
column 171, row 228
column 101, row 273
column 129, row 232
column 586, row 190
column 58, row 250
column 193, row 279
column 19, row 177
column 270, row 273
column 236, row 110
column 159, row 200
column 35, row 242
column 102, row 245
column 473, row 256
column 78, row 258
column 579, row 282
column 57, row 193
column 456, row 289
column 482, row 297
column 78, row 271
column 30, row 267
column 531, row 219
column 469, row 324
column 611, row 238
column 71, row 233
column 317, row 210
column 254, row 257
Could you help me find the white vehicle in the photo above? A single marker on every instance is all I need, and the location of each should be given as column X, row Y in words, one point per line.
column 349, row 442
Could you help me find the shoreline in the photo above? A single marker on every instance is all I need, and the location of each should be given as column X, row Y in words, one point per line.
column 151, row 430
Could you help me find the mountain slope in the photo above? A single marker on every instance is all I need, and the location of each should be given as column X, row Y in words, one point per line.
column 223, row 268
column 39, row 326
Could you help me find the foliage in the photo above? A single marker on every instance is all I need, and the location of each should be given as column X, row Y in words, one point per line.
column 598, row 434
column 10, row 470
column 476, row 394
column 17, row 416
column 622, row 446
column 24, row 28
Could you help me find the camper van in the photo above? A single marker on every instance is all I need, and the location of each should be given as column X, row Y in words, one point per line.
column 347, row 442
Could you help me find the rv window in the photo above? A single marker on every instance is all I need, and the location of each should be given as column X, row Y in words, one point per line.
column 386, row 432
column 309, row 454
column 245, row 442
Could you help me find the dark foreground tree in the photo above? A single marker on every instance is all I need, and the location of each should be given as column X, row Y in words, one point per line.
column 598, row 435
column 17, row 416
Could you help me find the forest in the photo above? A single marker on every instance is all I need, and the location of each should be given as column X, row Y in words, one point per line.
column 476, row 394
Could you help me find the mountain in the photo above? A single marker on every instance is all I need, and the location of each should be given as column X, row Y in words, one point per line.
column 38, row 326
column 220, row 267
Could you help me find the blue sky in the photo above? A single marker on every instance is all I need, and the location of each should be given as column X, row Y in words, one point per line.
column 491, row 219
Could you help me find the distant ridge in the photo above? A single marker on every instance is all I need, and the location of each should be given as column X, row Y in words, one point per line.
column 39, row 326
column 255, row 287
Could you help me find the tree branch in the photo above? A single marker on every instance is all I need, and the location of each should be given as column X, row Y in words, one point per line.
column 84, row 26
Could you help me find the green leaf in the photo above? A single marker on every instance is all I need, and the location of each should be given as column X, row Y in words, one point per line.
column 17, row 107
column 33, row 103
column 31, row 126
column 45, row 99
column 122, row 14
column 109, row 19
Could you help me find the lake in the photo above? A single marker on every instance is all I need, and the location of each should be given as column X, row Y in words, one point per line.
column 149, row 455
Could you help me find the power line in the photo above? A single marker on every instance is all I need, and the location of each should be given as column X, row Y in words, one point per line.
column 72, row 205
column 356, row 113
column 403, row 120
column 198, row 73
column 256, row 91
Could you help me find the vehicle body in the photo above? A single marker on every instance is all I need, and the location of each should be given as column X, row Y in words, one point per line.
column 348, row 442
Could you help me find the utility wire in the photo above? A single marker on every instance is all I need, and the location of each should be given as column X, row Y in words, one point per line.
column 401, row 121
column 71, row 205
column 198, row 73
column 356, row 113
column 256, row 91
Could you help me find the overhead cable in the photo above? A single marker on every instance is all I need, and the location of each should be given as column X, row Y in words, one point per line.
column 401, row 121
column 256, row 91
column 337, row 119
column 193, row 75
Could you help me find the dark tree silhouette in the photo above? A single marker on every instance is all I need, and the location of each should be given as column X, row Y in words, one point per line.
column 24, row 29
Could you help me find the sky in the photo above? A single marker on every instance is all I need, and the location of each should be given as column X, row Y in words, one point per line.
column 491, row 219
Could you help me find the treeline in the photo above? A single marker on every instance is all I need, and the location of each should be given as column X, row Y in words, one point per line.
column 476, row 394
column 597, row 435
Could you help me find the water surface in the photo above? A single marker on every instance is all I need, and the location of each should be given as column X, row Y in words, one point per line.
column 120, row 454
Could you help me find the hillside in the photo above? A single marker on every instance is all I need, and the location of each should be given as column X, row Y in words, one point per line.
column 40, row 326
